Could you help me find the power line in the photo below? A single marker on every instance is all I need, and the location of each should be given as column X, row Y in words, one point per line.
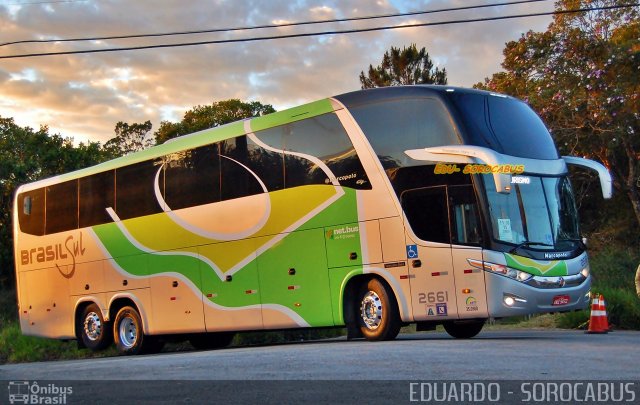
column 336, row 32
column 293, row 24
column 31, row 3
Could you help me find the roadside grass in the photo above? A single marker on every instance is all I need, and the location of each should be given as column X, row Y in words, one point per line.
column 613, row 271
column 17, row 348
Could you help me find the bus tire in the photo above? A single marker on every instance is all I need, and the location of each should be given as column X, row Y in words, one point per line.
column 128, row 334
column 208, row 341
column 377, row 315
column 463, row 329
column 94, row 331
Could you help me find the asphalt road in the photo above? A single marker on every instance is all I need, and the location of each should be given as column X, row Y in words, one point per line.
column 288, row 373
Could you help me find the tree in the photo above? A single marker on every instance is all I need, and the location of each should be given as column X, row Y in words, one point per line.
column 25, row 156
column 129, row 139
column 209, row 116
column 402, row 67
column 582, row 76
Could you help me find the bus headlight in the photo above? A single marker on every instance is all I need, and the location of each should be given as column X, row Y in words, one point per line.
column 585, row 272
column 521, row 275
column 501, row 269
column 511, row 299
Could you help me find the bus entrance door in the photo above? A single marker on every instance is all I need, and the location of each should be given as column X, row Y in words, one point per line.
column 433, row 294
column 432, row 281
column 466, row 233
column 470, row 286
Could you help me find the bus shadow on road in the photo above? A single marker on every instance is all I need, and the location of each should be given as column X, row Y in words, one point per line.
column 508, row 335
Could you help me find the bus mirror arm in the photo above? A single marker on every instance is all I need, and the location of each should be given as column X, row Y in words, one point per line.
column 466, row 154
column 606, row 183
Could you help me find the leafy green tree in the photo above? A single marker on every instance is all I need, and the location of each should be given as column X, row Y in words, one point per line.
column 129, row 138
column 208, row 116
column 403, row 66
column 25, row 156
column 582, row 75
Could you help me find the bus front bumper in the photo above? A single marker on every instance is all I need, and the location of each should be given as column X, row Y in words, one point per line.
column 513, row 298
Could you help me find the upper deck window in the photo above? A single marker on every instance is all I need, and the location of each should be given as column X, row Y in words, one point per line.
column 303, row 144
column 393, row 126
column 504, row 124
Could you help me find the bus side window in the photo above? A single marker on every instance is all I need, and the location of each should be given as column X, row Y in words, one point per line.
column 236, row 180
column 192, row 177
column 62, row 207
column 135, row 189
column 31, row 216
column 427, row 213
column 96, row 195
column 324, row 138
column 268, row 164
column 465, row 218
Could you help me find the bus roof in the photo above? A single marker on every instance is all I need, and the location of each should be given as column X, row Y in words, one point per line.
column 356, row 98
column 194, row 140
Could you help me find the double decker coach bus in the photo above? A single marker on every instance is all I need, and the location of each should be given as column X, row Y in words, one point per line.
column 372, row 209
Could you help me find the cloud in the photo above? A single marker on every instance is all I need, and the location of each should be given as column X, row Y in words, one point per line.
column 84, row 96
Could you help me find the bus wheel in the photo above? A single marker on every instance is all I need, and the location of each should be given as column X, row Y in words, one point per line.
column 94, row 331
column 129, row 334
column 463, row 329
column 378, row 312
column 207, row 341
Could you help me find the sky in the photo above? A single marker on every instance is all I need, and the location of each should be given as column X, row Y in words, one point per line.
column 83, row 96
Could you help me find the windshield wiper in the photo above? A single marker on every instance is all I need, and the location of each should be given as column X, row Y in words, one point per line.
column 528, row 243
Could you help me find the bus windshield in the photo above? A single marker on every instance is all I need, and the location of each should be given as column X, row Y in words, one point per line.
column 539, row 213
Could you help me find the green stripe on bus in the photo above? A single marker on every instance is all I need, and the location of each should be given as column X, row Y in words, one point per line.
column 291, row 115
column 537, row 267
column 308, row 292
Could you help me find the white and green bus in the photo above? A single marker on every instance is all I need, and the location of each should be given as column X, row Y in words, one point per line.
column 370, row 210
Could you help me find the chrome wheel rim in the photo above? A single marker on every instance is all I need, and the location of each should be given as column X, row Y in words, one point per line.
column 92, row 326
column 128, row 332
column 371, row 310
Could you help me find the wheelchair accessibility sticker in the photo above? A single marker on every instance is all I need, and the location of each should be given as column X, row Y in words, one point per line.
column 412, row 251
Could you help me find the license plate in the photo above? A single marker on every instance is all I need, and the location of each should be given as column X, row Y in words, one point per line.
column 561, row 300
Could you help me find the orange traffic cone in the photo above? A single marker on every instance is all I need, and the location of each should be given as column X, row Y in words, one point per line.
column 595, row 321
column 603, row 310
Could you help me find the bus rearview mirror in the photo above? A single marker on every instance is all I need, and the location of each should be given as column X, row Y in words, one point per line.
column 606, row 183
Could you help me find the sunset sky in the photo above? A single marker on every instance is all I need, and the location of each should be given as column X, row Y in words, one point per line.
column 83, row 96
